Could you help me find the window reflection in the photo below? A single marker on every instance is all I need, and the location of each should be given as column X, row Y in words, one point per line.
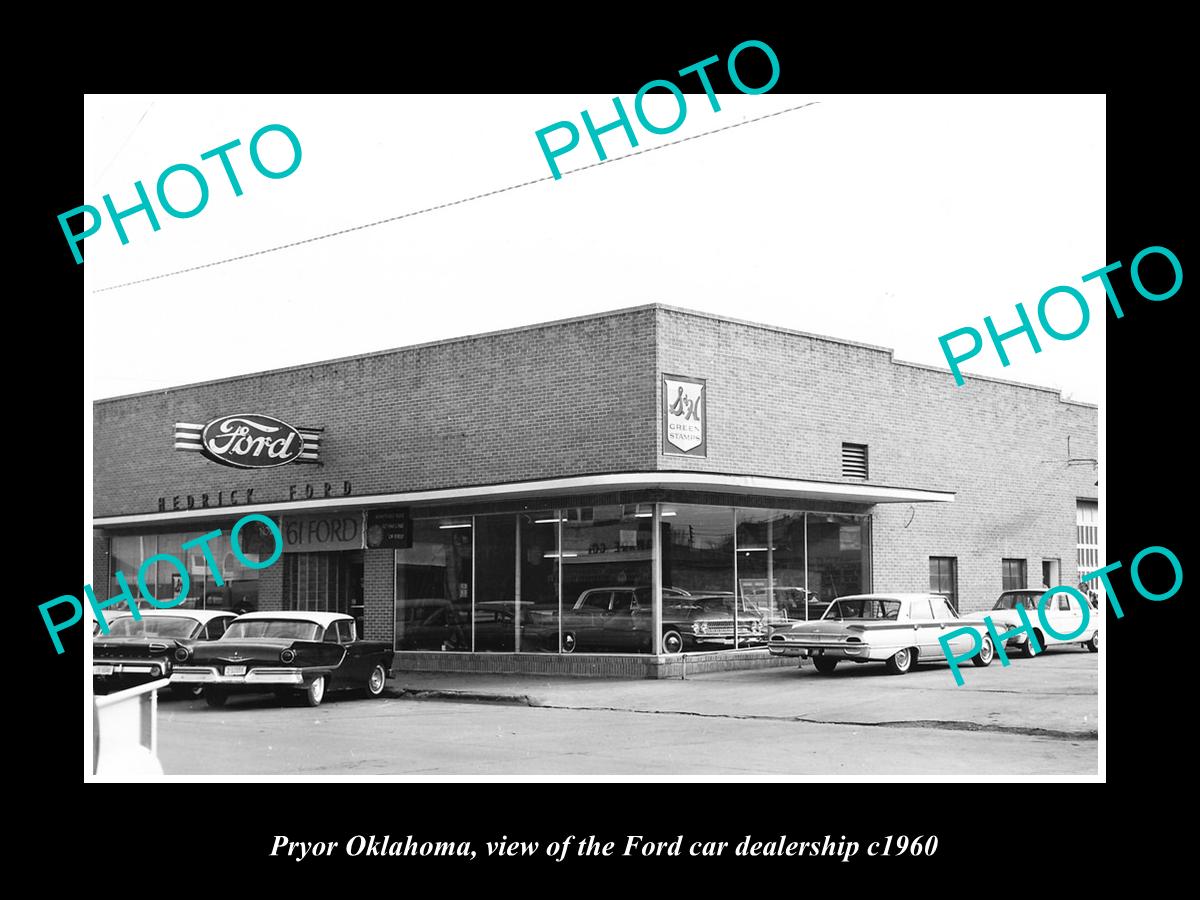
column 606, row 556
column 238, row 593
column 838, row 555
column 433, row 587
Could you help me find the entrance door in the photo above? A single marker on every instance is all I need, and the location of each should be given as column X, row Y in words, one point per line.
column 1051, row 573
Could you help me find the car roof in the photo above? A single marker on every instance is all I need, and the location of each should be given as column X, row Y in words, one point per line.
column 320, row 618
column 1037, row 590
column 199, row 615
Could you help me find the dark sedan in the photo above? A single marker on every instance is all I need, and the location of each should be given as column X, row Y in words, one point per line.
column 291, row 653
column 618, row 620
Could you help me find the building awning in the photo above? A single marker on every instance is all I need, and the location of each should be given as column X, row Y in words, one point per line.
column 553, row 487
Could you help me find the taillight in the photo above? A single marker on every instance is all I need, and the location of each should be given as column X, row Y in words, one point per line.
column 853, row 640
column 287, row 655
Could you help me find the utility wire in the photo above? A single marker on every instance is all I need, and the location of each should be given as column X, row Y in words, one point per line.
column 428, row 209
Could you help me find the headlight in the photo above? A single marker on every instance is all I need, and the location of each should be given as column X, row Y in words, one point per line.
column 287, row 655
column 700, row 628
column 155, row 670
column 182, row 654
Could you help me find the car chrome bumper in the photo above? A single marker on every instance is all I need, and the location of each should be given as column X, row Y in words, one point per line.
column 804, row 649
column 211, row 675
column 129, row 667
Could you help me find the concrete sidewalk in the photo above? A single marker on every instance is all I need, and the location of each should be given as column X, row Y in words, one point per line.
column 1052, row 696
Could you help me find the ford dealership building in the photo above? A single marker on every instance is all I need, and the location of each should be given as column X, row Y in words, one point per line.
column 639, row 492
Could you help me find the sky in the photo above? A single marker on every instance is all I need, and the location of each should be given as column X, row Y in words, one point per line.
column 888, row 220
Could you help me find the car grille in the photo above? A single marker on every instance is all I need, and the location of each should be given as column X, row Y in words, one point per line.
column 725, row 629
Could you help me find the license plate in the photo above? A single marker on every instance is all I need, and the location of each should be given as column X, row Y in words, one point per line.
column 235, row 670
column 102, row 670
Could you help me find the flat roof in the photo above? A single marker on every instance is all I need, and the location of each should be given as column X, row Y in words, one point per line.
column 624, row 311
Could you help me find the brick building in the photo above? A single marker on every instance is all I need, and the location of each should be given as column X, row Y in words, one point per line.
column 598, row 494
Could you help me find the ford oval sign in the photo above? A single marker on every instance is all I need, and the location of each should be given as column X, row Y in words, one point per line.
column 251, row 441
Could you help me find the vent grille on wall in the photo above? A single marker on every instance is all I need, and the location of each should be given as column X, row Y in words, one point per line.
column 854, row 461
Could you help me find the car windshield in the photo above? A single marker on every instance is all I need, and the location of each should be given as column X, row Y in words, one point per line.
column 864, row 609
column 275, row 628
column 153, row 626
column 1012, row 601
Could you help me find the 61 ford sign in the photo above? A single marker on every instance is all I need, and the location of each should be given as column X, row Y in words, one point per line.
column 250, row 441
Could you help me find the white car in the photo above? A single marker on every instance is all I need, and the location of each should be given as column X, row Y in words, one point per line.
column 899, row 630
column 1063, row 614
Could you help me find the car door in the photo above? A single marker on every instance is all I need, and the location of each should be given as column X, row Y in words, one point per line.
column 1064, row 616
column 625, row 627
column 925, row 630
column 948, row 621
column 349, row 673
column 587, row 619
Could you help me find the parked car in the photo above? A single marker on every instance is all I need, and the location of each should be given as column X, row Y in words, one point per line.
column 291, row 653
column 618, row 620
column 146, row 646
column 899, row 630
column 1063, row 614
column 433, row 623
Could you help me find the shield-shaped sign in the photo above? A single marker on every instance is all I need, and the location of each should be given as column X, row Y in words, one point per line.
column 684, row 416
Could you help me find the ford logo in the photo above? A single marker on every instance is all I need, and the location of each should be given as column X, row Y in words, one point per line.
column 251, row 441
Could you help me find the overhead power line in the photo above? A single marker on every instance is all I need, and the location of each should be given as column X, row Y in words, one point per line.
column 429, row 209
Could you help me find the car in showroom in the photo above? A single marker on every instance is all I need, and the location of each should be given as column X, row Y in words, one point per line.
column 1063, row 614
column 618, row 620
column 138, row 647
column 898, row 630
column 293, row 654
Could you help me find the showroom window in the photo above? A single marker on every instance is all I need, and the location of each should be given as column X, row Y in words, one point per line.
column 434, row 581
column 1013, row 574
column 943, row 577
column 239, row 593
column 580, row 579
column 839, row 555
column 771, row 564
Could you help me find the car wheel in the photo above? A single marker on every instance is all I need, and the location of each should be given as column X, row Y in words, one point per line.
column 568, row 642
column 1027, row 647
column 1094, row 644
column 824, row 664
column 672, row 642
column 315, row 692
column 986, row 651
column 215, row 697
column 901, row 662
column 376, row 682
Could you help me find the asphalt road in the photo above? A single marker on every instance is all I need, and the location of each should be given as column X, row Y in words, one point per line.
column 1035, row 717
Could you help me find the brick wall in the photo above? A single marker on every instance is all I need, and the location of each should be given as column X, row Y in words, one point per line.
column 379, row 578
column 270, row 586
column 781, row 404
column 100, row 564
column 558, row 399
